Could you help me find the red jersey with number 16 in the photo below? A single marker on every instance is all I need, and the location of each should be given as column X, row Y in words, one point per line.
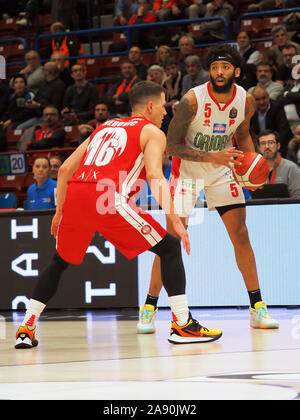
column 114, row 157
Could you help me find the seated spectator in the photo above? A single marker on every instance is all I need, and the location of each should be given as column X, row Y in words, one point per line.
column 102, row 114
column 269, row 115
column 64, row 72
column 290, row 100
column 156, row 74
column 244, row 46
column 117, row 95
column 41, row 194
column 280, row 39
column 284, row 71
column 172, row 83
column 17, row 112
column 264, row 80
column 214, row 31
column 195, row 76
column 69, row 46
column 263, row 5
column 186, row 48
column 197, row 9
column 142, row 38
column 50, row 134
column 33, row 71
column 124, row 11
column 166, row 10
column 79, row 99
column 55, row 163
column 293, row 152
column 163, row 52
column 282, row 171
column 292, row 23
column 135, row 56
column 50, row 93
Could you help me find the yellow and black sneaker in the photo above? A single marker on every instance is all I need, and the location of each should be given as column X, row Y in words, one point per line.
column 25, row 338
column 192, row 332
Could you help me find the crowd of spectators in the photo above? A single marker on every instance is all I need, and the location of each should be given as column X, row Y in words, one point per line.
column 53, row 91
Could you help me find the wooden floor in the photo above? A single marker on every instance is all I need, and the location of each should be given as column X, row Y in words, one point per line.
column 98, row 356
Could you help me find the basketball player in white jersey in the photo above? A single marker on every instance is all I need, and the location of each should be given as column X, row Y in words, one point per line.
column 207, row 120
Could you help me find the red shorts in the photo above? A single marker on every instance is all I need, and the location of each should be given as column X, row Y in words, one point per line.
column 130, row 229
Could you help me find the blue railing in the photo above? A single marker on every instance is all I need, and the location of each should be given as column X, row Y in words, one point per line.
column 266, row 13
column 12, row 41
column 127, row 30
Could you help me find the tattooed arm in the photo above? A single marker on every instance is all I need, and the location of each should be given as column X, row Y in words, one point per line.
column 178, row 128
column 242, row 134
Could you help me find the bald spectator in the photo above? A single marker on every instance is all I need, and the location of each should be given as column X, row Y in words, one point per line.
column 51, row 92
column 33, row 71
column 64, row 72
column 264, row 78
column 268, row 115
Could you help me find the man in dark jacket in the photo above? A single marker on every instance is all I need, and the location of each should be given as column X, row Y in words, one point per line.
column 269, row 115
column 80, row 98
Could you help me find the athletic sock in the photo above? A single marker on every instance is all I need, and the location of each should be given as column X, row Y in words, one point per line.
column 151, row 300
column 254, row 296
column 180, row 309
column 33, row 312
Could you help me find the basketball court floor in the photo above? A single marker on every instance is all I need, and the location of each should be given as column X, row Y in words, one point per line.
column 97, row 355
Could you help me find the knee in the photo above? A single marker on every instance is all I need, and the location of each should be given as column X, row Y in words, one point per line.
column 240, row 235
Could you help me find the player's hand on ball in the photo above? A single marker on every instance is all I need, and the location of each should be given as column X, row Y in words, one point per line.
column 227, row 157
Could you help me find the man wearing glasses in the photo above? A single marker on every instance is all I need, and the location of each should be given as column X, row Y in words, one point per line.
column 282, row 171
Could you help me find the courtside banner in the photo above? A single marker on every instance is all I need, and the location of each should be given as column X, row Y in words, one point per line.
column 105, row 278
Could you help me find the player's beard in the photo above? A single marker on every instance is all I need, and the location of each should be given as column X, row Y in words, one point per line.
column 226, row 87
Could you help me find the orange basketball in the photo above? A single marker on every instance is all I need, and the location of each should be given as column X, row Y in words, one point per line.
column 253, row 172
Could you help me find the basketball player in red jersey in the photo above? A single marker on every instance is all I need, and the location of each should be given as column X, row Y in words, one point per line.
column 207, row 120
column 95, row 192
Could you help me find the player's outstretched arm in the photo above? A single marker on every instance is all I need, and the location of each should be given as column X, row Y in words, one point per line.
column 66, row 171
column 153, row 144
column 178, row 128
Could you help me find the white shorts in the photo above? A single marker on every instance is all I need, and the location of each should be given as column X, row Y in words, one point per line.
column 220, row 189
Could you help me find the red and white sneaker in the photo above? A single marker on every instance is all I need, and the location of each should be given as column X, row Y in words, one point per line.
column 25, row 338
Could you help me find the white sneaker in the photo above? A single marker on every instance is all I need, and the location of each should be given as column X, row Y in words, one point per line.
column 146, row 320
column 260, row 318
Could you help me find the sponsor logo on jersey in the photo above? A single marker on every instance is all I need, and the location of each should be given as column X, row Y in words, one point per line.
column 207, row 143
column 146, row 230
column 219, row 128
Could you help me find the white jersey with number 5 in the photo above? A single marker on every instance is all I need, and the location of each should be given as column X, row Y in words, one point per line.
column 213, row 128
